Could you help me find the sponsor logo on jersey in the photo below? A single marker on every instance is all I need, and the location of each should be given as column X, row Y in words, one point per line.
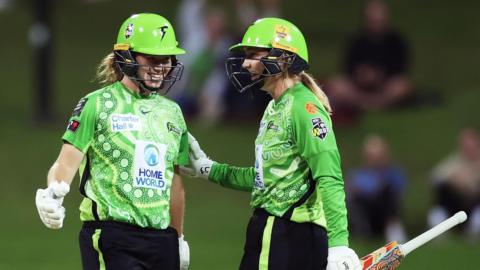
column 171, row 128
column 79, row 108
column 319, row 129
column 271, row 125
column 73, row 125
column 311, row 108
column 258, row 183
column 149, row 169
column 125, row 122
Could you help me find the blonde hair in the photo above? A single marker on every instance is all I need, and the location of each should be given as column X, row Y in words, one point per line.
column 310, row 82
column 107, row 70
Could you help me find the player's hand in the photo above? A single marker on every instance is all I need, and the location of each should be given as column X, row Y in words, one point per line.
column 200, row 164
column 49, row 204
column 184, row 251
column 343, row 258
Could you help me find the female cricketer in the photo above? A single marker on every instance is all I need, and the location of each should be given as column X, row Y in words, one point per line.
column 299, row 219
column 128, row 140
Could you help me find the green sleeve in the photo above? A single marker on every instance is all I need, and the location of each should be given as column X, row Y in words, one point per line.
column 182, row 158
column 232, row 177
column 330, row 186
column 81, row 126
column 316, row 143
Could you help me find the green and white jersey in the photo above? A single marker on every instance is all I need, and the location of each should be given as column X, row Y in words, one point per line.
column 297, row 172
column 132, row 143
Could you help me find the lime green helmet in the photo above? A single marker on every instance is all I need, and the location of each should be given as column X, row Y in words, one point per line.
column 275, row 33
column 151, row 34
column 287, row 52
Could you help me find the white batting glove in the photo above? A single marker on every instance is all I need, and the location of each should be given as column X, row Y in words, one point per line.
column 200, row 164
column 184, row 251
column 49, row 204
column 343, row 258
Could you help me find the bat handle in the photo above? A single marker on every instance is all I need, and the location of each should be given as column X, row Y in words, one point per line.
column 423, row 238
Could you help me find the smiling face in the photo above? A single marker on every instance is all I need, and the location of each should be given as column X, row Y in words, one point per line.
column 153, row 69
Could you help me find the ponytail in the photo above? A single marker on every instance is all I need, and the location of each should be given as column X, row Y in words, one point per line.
column 107, row 71
column 313, row 86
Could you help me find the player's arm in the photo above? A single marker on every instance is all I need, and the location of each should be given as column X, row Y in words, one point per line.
column 316, row 143
column 239, row 178
column 177, row 202
column 66, row 165
column 77, row 138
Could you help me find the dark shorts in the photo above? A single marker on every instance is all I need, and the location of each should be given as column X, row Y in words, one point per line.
column 115, row 245
column 275, row 243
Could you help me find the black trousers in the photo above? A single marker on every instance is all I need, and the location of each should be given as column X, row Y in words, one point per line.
column 114, row 245
column 275, row 243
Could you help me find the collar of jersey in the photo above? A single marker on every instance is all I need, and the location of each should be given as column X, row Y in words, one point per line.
column 135, row 94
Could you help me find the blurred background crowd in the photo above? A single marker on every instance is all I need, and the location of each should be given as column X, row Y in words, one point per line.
column 402, row 77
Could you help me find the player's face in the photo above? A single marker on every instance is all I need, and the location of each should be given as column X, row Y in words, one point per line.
column 153, row 68
column 252, row 61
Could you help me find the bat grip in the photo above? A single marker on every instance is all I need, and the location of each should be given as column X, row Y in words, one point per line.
column 423, row 238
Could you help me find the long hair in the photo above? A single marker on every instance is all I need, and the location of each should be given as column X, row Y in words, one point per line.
column 310, row 82
column 107, row 70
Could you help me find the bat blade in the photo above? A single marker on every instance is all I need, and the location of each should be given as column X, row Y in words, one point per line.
column 391, row 255
column 374, row 257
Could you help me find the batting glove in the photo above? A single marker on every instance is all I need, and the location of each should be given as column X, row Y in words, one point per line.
column 49, row 204
column 184, row 251
column 200, row 164
column 343, row 258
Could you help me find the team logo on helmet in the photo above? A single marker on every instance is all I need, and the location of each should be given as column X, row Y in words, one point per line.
column 163, row 29
column 129, row 31
column 151, row 155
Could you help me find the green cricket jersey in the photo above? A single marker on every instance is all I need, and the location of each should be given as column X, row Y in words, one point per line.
column 131, row 144
column 297, row 170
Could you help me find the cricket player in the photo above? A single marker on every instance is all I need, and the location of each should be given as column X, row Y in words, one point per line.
column 128, row 140
column 299, row 219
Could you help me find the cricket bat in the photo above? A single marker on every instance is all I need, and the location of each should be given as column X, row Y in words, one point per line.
column 391, row 255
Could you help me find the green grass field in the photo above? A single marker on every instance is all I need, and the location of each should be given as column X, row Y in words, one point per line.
column 445, row 38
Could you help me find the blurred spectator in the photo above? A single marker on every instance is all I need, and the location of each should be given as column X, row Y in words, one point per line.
column 456, row 183
column 5, row 5
column 240, row 106
column 376, row 65
column 374, row 193
column 207, row 42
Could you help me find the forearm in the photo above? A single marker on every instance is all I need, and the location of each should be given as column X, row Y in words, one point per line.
column 334, row 207
column 232, row 177
column 66, row 165
column 177, row 204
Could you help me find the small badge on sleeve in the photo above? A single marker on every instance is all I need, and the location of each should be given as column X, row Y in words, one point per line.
column 311, row 108
column 319, row 129
column 73, row 125
column 78, row 109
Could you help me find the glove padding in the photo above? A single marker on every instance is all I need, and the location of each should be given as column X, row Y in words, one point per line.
column 49, row 204
column 200, row 164
column 184, row 252
column 343, row 258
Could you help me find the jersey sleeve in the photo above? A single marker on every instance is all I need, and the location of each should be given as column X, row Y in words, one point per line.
column 317, row 145
column 182, row 158
column 81, row 125
column 232, row 177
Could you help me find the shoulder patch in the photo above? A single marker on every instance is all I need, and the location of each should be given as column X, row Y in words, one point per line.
column 79, row 108
column 319, row 129
column 311, row 108
column 73, row 125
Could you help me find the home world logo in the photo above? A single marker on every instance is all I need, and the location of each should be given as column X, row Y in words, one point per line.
column 149, row 169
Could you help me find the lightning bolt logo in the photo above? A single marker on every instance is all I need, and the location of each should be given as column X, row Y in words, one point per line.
column 163, row 29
